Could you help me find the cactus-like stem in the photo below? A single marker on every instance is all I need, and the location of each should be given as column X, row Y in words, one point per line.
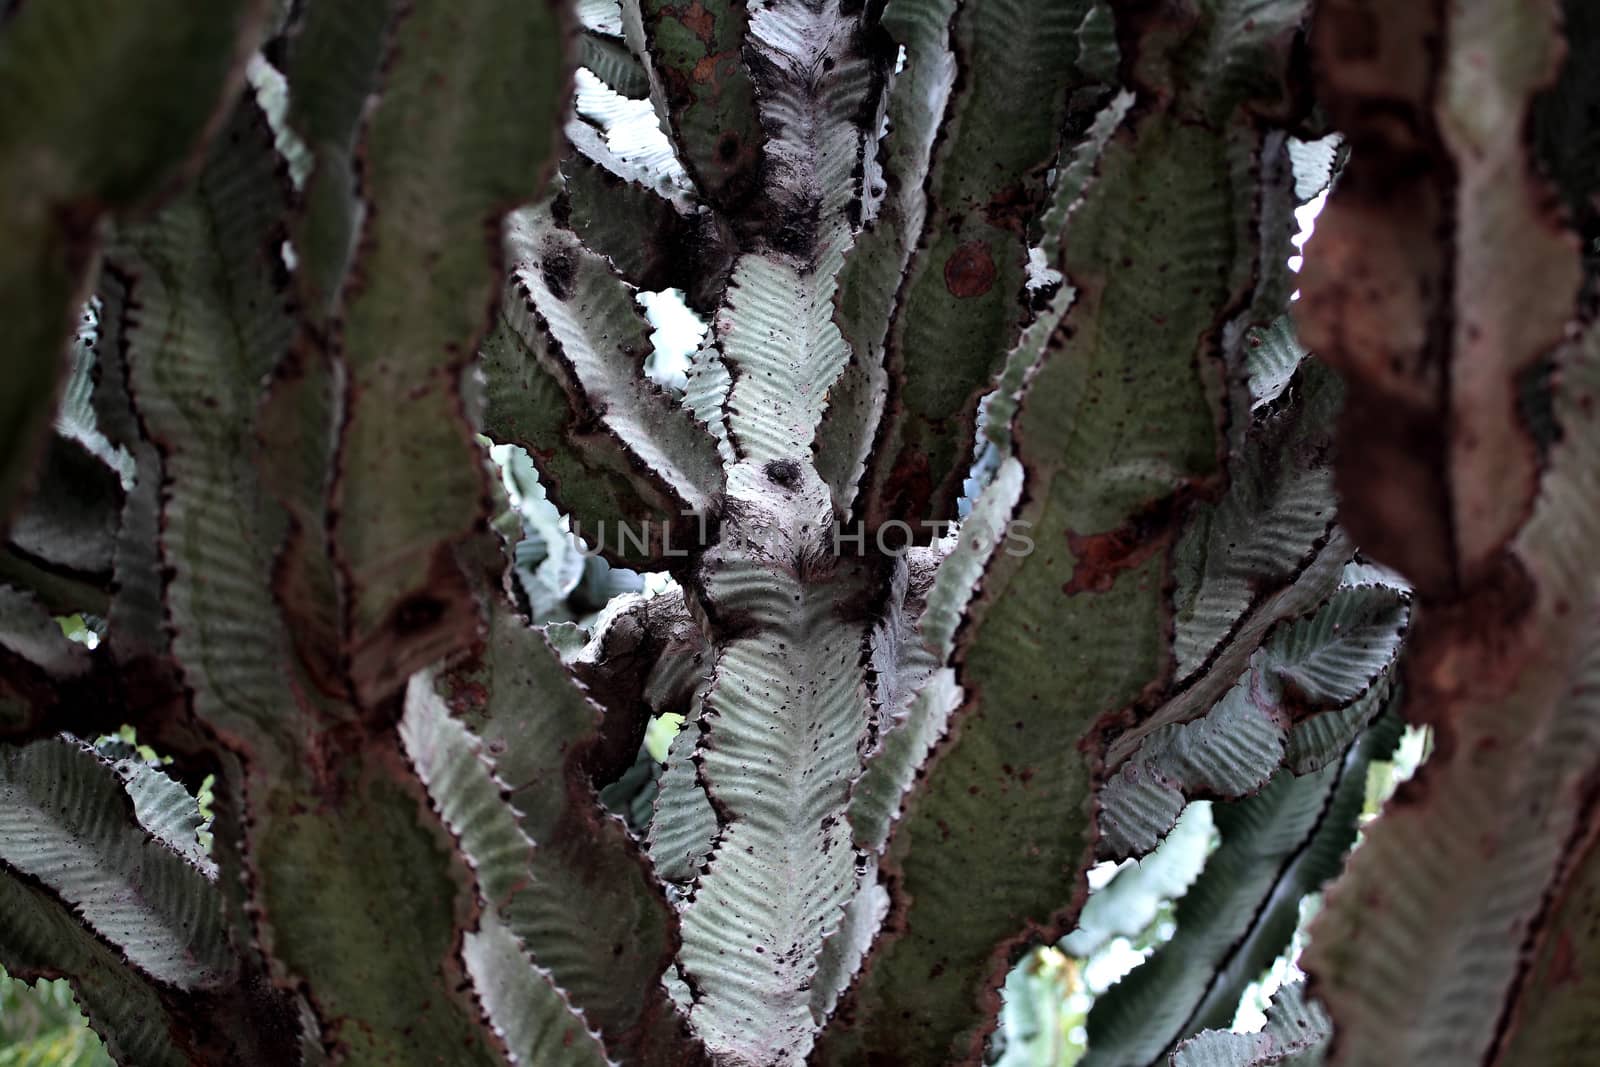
column 996, row 508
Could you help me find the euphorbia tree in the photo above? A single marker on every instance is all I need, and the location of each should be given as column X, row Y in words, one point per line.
column 996, row 511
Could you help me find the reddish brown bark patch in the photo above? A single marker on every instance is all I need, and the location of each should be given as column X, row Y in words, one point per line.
column 970, row 270
column 1101, row 557
column 699, row 22
column 1474, row 647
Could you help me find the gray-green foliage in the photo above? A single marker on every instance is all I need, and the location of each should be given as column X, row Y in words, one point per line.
column 524, row 699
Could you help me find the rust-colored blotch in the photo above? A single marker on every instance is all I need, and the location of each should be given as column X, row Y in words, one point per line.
column 970, row 270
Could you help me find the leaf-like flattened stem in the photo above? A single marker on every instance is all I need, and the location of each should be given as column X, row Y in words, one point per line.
column 522, row 1001
column 1272, row 356
column 847, row 944
column 783, row 351
column 468, row 797
column 1419, row 952
column 134, row 618
column 1309, row 690
column 1118, row 431
column 58, row 824
column 1440, row 274
column 786, row 716
column 822, row 71
column 613, row 62
column 682, row 825
column 335, row 49
column 448, row 150
column 1553, row 1018
column 593, row 475
column 40, row 938
column 1276, row 847
column 683, row 828
column 298, row 433
column 1018, row 753
column 336, row 822
column 1203, row 689
column 1266, row 532
column 167, row 810
column 524, row 1005
column 915, row 723
column 141, row 1021
column 89, row 893
column 566, row 380
column 1133, row 899
column 1436, row 944
column 592, row 915
column 37, row 658
column 702, row 90
column 600, row 16
column 366, row 901
column 1296, row 1035
column 68, row 524
column 203, row 323
column 864, row 303
column 961, row 299
column 1078, row 170
column 651, row 227
column 72, row 148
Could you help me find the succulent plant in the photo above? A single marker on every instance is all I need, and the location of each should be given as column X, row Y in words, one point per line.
column 508, row 697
